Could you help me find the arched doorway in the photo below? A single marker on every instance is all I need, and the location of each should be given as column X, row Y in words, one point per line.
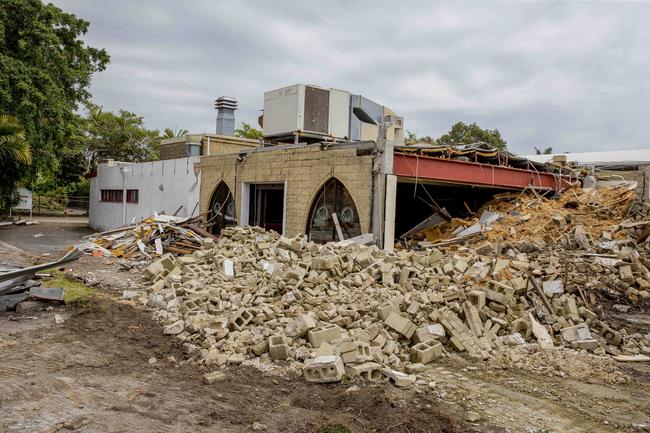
column 221, row 212
column 333, row 197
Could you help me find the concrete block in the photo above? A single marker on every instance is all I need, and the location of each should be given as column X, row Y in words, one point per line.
column 155, row 269
column 326, row 349
column 473, row 319
column 175, row 328
column 324, row 369
column 587, row 314
column 625, row 273
column 576, row 333
column 387, row 308
column 360, row 335
column 413, row 308
column 355, row 351
column 324, row 263
column 213, row 377
column 236, row 359
column 485, row 248
column 426, row 351
column 278, row 347
column 327, row 333
column 429, row 332
column 435, row 256
column 477, row 297
column 571, row 308
column 260, row 348
column 399, row 378
column 370, row 371
column 239, row 319
column 400, row 324
column 589, row 344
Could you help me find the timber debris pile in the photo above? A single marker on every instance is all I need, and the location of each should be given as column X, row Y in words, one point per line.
column 148, row 238
column 348, row 309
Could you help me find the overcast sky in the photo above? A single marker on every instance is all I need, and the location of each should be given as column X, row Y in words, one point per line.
column 571, row 75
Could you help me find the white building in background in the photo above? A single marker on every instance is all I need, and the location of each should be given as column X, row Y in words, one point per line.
column 122, row 192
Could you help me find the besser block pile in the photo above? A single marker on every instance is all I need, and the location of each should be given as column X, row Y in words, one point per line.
column 343, row 308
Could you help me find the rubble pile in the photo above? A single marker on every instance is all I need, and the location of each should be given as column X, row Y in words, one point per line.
column 149, row 238
column 529, row 216
column 343, row 308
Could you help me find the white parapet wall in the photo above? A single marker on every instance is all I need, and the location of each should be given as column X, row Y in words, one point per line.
column 156, row 186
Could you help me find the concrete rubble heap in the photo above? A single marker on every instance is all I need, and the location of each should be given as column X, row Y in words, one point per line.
column 346, row 309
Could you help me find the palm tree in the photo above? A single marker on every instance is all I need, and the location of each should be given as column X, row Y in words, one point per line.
column 13, row 145
column 173, row 133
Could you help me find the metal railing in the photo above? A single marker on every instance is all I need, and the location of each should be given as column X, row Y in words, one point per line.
column 60, row 204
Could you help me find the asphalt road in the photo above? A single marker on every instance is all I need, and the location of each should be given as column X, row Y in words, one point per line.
column 49, row 236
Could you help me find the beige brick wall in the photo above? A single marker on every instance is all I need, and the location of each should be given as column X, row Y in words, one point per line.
column 173, row 150
column 305, row 170
column 219, row 144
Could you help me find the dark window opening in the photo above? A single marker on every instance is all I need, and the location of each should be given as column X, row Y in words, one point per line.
column 333, row 197
column 116, row 196
column 266, row 206
column 132, row 196
column 222, row 209
column 414, row 205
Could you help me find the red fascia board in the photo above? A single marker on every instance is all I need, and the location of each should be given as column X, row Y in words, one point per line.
column 473, row 173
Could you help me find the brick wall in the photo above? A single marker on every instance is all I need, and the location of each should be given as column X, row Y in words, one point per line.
column 226, row 144
column 173, row 150
column 305, row 170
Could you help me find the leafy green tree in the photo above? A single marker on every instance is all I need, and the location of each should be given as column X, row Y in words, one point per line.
column 45, row 72
column 545, row 151
column 247, row 131
column 120, row 136
column 462, row 133
column 174, row 133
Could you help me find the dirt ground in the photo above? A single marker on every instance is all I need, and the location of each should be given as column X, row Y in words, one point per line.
column 93, row 373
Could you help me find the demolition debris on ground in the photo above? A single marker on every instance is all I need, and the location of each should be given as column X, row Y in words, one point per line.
column 148, row 238
column 347, row 309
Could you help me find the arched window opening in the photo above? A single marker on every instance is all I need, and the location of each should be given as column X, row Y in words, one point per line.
column 333, row 197
column 221, row 213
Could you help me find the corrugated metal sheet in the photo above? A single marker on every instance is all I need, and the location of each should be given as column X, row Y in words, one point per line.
column 609, row 158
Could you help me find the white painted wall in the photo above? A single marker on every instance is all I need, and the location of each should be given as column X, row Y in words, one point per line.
column 162, row 186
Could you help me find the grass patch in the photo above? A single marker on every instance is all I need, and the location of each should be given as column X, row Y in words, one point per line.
column 338, row 428
column 75, row 291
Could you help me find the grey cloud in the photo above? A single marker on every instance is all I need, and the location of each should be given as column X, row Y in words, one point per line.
column 571, row 75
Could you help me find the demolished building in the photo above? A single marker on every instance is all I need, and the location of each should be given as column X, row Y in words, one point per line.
column 333, row 165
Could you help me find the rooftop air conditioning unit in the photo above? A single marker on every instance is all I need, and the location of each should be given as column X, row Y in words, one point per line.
column 306, row 109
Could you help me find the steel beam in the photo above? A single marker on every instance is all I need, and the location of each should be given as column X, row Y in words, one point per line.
column 472, row 173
